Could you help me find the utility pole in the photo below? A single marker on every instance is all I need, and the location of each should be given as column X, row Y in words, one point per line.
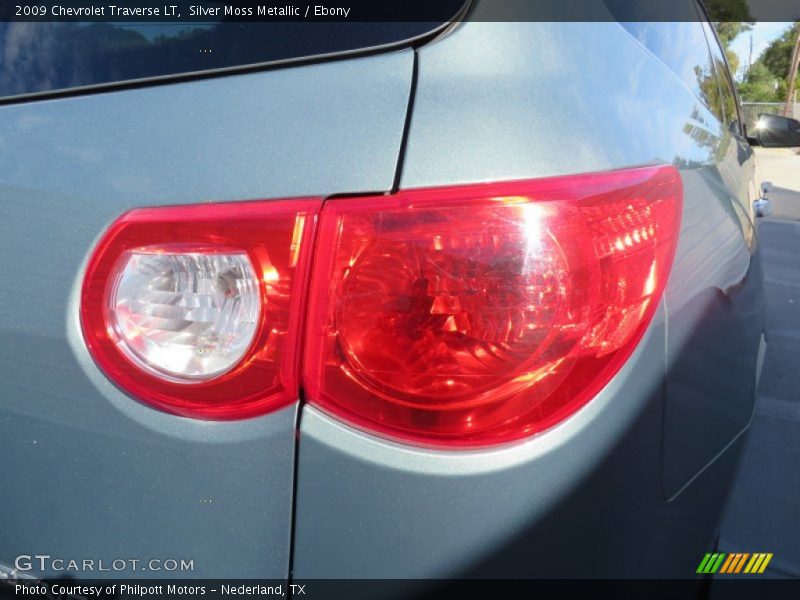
column 789, row 106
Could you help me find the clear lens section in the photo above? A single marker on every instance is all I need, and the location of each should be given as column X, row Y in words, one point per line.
column 188, row 316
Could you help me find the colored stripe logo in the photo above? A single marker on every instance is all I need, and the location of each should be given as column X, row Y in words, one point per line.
column 720, row 562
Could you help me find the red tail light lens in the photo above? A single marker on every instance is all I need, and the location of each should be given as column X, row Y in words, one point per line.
column 481, row 314
column 197, row 309
column 461, row 316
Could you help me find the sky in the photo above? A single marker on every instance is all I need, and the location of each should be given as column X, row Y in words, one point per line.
column 763, row 32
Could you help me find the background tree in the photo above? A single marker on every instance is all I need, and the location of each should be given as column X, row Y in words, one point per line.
column 727, row 31
column 730, row 18
column 779, row 53
column 759, row 84
column 728, row 11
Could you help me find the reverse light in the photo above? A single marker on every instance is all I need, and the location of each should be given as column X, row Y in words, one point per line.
column 196, row 309
column 187, row 315
column 481, row 314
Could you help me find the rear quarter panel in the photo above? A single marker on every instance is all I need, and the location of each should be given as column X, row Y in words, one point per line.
column 87, row 471
column 503, row 101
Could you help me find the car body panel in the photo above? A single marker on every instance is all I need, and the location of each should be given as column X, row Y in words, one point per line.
column 632, row 484
column 504, row 101
column 715, row 301
column 369, row 508
column 716, row 318
column 86, row 469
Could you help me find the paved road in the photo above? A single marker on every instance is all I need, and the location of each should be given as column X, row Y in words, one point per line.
column 781, row 166
column 764, row 511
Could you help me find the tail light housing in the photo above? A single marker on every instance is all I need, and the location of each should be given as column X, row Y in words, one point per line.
column 451, row 317
column 481, row 314
column 196, row 310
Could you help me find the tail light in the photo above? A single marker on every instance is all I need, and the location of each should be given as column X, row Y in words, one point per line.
column 196, row 309
column 481, row 314
column 459, row 316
